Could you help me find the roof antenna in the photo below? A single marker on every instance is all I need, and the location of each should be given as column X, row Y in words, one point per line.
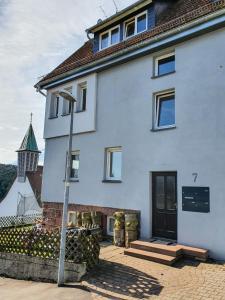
column 116, row 6
column 31, row 118
column 102, row 9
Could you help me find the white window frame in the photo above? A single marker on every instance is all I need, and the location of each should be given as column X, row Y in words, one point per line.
column 66, row 103
column 157, row 98
column 79, row 104
column 108, row 162
column 76, row 152
column 157, row 59
column 56, row 113
column 110, row 37
column 135, row 18
column 74, row 217
column 110, row 233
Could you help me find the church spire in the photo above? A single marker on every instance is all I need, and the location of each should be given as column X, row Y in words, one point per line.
column 29, row 141
column 28, row 154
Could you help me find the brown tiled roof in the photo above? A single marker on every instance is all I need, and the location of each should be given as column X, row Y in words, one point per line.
column 35, row 179
column 180, row 13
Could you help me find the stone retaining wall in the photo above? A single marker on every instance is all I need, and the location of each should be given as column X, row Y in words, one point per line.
column 38, row 269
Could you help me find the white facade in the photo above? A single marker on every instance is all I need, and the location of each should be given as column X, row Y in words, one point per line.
column 84, row 122
column 124, row 118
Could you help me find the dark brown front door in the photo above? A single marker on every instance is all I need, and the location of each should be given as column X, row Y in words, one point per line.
column 164, row 196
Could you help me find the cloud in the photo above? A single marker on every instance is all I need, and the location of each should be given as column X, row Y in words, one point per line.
column 35, row 38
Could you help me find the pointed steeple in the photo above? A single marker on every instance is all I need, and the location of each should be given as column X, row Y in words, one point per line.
column 28, row 154
column 29, row 141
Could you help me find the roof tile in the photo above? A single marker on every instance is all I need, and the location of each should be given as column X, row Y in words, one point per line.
column 180, row 13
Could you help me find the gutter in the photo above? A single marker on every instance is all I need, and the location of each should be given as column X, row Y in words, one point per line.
column 120, row 15
column 195, row 28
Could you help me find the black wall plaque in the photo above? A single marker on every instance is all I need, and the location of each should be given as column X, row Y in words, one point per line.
column 196, row 199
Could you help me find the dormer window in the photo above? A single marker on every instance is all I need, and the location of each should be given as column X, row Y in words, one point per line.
column 110, row 37
column 115, row 36
column 142, row 23
column 130, row 28
column 135, row 25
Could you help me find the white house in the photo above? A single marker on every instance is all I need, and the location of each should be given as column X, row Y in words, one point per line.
column 149, row 129
column 24, row 196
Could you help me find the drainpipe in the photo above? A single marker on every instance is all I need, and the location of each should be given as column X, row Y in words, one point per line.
column 88, row 35
column 38, row 90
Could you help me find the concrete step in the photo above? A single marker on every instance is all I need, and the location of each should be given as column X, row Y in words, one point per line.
column 172, row 250
column 152, row 256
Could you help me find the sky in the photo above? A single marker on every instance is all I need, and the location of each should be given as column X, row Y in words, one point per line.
column 36, row 36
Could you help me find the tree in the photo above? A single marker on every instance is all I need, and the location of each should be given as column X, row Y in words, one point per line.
column 7, row 177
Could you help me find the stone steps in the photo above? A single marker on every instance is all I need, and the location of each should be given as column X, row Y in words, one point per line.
column 152, row 256
column 157, row 248
column 164, row 254
column 197, row 253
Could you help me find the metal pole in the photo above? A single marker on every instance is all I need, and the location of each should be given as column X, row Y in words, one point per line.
column 65, row 205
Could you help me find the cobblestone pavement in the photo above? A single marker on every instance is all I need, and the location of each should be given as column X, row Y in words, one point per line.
column 123, row 277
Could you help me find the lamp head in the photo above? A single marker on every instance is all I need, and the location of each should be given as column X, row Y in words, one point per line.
column 67, row 96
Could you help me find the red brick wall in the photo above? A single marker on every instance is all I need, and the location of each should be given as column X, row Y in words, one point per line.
column 53, row 213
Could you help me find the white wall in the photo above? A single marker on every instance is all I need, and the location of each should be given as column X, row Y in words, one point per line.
column 8, row 207
column 124, row 118
column 84, row 121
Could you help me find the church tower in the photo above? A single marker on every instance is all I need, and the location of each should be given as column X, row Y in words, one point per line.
column 28, row 154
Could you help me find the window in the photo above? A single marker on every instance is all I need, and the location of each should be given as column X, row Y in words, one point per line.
column 111, row 37
column 82, row 99
column 165, row 64
column 75, row 164
column 66, row 107
column 54, row 106
column 165, row 110
column 130, row 28
column 67, row 104
column 105, row 40
column 113, row 163
column 72, row 218
column 115, row 36
column 110, row 226
column 136, row 25
column 142, row 23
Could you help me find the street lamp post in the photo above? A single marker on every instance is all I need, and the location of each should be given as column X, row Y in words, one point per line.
column 67, row 96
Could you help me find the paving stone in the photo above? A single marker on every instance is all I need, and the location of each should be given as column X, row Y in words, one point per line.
column 123, row 277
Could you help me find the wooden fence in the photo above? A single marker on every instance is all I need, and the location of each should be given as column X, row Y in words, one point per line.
column 19, row 220
column 82, row 245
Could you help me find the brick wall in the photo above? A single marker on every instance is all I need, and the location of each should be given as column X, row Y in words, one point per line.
column 53, row 213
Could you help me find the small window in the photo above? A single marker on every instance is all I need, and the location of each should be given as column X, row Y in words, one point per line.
column 113, row 163
column 135, row 25
column 82, row 100
column 141, row 23
column 67, row 105
column 105, row 40
column 110, row 226
column 165, row 64
column 54, row 106
column 165, row 110
column 111, row 37
column 75, row 164
column 72, row 218
column 130, row 28
column 115, row 36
